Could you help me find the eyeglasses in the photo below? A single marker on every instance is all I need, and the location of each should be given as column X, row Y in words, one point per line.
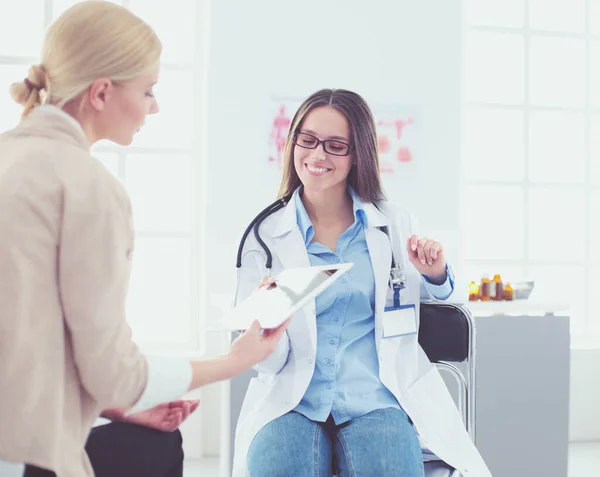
column 330, row 146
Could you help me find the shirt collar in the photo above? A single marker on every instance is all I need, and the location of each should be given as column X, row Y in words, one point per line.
column 305, row 225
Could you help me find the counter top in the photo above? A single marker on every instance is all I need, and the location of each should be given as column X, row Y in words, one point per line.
column 515, row 307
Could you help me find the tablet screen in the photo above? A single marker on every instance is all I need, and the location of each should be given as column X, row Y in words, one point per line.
column 296, row 287
column 293, row 288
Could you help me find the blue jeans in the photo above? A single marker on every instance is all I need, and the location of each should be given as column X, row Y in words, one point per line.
column 382, row 443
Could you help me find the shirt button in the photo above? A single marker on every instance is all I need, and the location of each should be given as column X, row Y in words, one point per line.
column 328, row 360
column 309, row 360
column 343, row 279
column 329, row 386
column 337, row 318
column 336, row 260
column 332, row 341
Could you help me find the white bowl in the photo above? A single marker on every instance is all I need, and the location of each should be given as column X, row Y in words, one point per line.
column 522, row 290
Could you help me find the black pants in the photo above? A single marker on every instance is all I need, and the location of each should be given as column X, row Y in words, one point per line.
column 126, row 450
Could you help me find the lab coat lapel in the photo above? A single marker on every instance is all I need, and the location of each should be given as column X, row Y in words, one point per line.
column 291, row 252
column 288, row 240
column 381, row 258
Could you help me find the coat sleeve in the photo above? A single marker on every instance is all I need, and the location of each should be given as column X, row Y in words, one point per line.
column 95, row 247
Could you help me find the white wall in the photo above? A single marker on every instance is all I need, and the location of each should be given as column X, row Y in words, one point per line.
column 391, row 52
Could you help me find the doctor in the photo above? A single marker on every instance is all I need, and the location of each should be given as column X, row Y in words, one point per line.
column 348, row 387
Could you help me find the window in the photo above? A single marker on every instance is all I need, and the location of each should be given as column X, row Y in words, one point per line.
column 161, row 169
column 531, row 149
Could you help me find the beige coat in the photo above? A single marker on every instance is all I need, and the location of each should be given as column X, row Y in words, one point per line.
column 66, row 239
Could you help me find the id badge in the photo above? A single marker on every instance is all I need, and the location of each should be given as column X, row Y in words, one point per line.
column 399, row 321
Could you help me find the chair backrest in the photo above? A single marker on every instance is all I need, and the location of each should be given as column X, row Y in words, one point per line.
column 444, row 332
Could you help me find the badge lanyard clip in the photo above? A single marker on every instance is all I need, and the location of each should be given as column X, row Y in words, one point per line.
column 397, row 279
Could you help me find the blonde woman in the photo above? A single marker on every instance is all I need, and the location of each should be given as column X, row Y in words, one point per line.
column 67, row 237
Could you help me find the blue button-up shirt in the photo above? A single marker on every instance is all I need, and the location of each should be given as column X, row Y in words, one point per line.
column 346, row 380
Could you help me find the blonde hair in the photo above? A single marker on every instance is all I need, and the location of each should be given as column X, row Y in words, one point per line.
column 90, row 40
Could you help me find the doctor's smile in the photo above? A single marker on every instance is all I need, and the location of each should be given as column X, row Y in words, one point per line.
column 317, row 170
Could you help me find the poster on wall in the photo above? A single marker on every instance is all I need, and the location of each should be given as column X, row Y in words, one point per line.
column 281, row 112
column 397, row 129
column 396, row 125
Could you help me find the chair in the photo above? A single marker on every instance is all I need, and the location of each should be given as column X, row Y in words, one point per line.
column 447, row 335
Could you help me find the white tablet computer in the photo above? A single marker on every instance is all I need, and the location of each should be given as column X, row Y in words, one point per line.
column 293, row 289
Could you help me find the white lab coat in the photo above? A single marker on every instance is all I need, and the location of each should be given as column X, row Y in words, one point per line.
column 404, row 367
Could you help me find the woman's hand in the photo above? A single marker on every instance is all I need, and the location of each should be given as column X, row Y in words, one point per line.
column 164, row 417
column 255, row 345
column 428, row 258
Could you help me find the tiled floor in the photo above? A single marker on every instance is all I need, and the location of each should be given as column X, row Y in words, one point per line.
column 201, row 468
column 584, row 461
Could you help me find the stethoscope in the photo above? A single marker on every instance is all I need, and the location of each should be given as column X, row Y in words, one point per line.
column 397, row 271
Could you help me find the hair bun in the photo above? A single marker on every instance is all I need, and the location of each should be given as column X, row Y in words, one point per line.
column 30, row 91
column 36, row 78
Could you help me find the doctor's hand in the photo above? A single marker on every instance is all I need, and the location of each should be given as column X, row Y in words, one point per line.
column 255, row 345
column 428, row 258
column 266, row 282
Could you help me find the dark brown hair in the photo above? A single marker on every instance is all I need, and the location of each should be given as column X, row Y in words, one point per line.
column 364, row 175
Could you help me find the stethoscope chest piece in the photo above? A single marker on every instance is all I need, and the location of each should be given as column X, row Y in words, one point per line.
column 398, row 276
